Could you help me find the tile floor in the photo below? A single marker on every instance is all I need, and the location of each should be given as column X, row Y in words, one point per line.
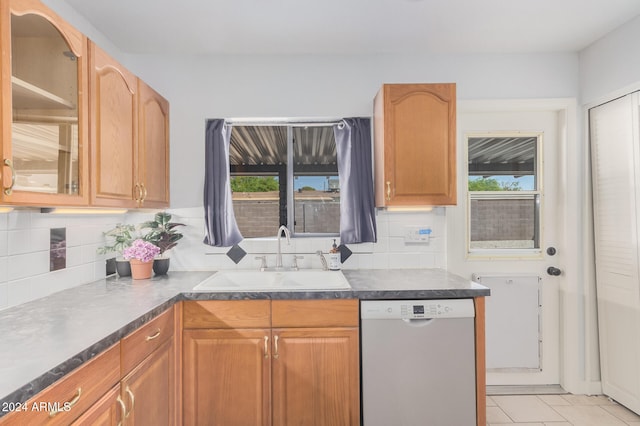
column 557, row 410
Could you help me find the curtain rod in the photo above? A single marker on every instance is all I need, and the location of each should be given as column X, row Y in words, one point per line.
column 283, row 122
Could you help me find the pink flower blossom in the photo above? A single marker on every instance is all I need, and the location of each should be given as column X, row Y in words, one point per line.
column 141, row 250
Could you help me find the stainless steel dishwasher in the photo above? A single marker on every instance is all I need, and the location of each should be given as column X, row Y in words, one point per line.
column 418, row 362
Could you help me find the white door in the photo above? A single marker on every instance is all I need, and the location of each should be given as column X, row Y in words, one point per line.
column 508, row 235
column 614, row 134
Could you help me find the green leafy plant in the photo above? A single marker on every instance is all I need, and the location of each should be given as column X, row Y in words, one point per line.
column 491, row 184
column 254, row 184
column 162, row 232
column 118, row 239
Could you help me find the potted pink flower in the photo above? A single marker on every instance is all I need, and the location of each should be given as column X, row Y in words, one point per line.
column 140, row 255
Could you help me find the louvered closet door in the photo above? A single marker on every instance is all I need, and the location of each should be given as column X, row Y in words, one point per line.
column 615, row 146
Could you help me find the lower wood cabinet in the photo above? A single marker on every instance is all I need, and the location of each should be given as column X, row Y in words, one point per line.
column 315, row 380
column 245, row 363
column 148, row 391
column 66, row 400
column 226, row 377
column 146, row 396
column 131, row 383
column 108, row 411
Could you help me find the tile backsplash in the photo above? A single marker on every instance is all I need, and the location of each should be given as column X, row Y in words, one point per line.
column 25, row 238
column 389, row 252
column 25, row 244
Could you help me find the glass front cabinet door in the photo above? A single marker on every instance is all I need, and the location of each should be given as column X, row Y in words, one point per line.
column 44, row 116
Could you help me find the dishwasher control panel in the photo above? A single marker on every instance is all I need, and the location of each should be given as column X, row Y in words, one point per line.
column 416, row 309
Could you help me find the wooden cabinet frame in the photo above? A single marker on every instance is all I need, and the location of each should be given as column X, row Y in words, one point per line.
column 415, row 145
column 123, row 126
column 78, row 44
column 273, row 340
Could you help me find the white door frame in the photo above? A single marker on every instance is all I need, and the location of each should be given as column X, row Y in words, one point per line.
column 578, row 346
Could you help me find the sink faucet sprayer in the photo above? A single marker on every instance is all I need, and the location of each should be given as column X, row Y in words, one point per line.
column 325, row 267
column 279, row 254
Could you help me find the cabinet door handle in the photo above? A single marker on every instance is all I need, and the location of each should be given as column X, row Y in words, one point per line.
column 143, row 195
column 9, row 189
column 153, row 336
column 266, row 347
column 388, row 190
column 67, row 405
column 123, row 408
column 133, row 401
column 276, row 355
column 137, row 193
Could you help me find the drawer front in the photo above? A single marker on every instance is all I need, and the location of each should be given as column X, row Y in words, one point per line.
column 146, row 339
column 68, row 398
column 315, row 313
column 227, row 314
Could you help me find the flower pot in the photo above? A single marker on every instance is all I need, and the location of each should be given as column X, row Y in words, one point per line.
column 141, row 270
column 161, row 266
column 123, row 267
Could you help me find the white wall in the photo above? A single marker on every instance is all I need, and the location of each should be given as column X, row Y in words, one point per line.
column 611, row 64
column 316, row 86
column 278, row 86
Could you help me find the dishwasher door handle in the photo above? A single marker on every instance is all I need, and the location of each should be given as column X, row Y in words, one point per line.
column 418, row 322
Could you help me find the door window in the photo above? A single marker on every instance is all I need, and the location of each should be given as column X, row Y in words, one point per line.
column 504, row 193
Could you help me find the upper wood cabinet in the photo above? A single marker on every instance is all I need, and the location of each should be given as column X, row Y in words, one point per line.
column 129, row 137
column 415, row 145
column 114, row 132
column 44, row 107
column 153, row 147
column 77, row 127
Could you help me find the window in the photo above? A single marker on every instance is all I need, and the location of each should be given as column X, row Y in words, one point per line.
column 504, row 192
column 285, row 174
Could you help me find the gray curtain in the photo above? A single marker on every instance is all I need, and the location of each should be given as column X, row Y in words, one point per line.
column 221, row 229
column 357, row 208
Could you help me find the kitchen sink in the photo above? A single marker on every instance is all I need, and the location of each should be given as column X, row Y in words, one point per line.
column 274, row 281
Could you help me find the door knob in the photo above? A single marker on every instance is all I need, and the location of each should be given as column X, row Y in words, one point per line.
column 552, row 270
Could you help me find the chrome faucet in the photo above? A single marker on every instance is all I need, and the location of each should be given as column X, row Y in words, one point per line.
column 279, row 254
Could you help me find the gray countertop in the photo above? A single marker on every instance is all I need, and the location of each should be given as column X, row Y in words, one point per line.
column 45, row 339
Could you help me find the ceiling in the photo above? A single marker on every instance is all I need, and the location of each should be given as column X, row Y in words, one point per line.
column 354, row 26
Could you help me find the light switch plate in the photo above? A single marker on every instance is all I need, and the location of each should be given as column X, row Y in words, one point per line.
column 417, row 234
